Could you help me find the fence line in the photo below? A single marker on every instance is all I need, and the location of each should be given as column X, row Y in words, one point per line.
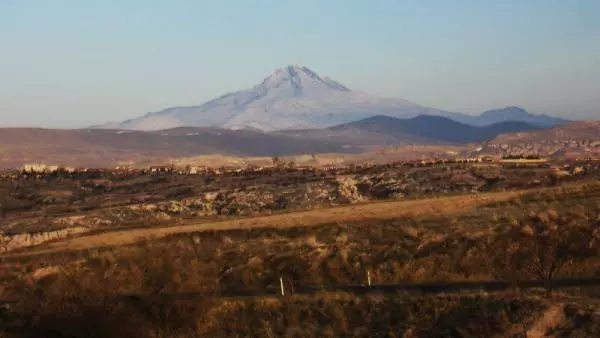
column 422, row 288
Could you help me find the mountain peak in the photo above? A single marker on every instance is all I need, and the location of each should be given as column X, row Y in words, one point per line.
column 301, row 79
column 297, row 70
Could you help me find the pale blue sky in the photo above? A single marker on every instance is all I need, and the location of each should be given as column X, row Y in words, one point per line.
column 75, row 63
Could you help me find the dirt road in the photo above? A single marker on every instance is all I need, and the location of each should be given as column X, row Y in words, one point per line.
column 371, row 211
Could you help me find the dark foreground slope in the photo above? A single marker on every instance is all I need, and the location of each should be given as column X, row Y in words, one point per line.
column 80, row 294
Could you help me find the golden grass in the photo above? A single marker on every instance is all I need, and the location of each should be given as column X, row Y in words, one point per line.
column 436, row 206
column 371, row 211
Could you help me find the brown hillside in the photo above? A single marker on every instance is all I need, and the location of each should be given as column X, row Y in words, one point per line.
column 102, row 148
column 578, row 139
column 583, row 130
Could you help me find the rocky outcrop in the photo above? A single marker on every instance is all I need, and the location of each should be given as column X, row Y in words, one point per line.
column 348, row 190
column 17, row 241
column 81, row 220
column 245, row 201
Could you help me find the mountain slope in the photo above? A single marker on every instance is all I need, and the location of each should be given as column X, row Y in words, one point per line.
column 424, row 129
column 101, row 148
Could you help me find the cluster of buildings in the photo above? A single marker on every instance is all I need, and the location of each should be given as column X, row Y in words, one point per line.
column 43, row 170
column 231, row 171
column 40, row 170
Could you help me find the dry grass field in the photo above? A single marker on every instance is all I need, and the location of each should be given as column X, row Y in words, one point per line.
column 220, row 275
column 443, row 206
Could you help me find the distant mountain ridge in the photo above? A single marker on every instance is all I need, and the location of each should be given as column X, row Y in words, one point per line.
column 295, row 97
column 509, row 114
column 423, row 129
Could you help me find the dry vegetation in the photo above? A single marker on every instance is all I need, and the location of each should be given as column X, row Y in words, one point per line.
column 194, row 280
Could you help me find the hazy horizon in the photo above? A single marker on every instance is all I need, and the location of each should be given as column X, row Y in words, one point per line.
column 72, row 64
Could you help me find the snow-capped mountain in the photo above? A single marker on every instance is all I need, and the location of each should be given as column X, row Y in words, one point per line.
column 294, row 97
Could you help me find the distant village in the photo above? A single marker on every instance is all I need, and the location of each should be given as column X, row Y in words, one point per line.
column 36, row 170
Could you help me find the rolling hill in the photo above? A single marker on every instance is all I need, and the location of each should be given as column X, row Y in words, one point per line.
column 508, row 114
column 424, row 129
column 104, row 148
column 577, row 139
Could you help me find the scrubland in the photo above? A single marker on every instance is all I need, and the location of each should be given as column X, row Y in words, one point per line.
column 221, row 275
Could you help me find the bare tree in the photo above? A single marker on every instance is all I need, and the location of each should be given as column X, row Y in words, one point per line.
column 541, row 245
column 276, row 161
